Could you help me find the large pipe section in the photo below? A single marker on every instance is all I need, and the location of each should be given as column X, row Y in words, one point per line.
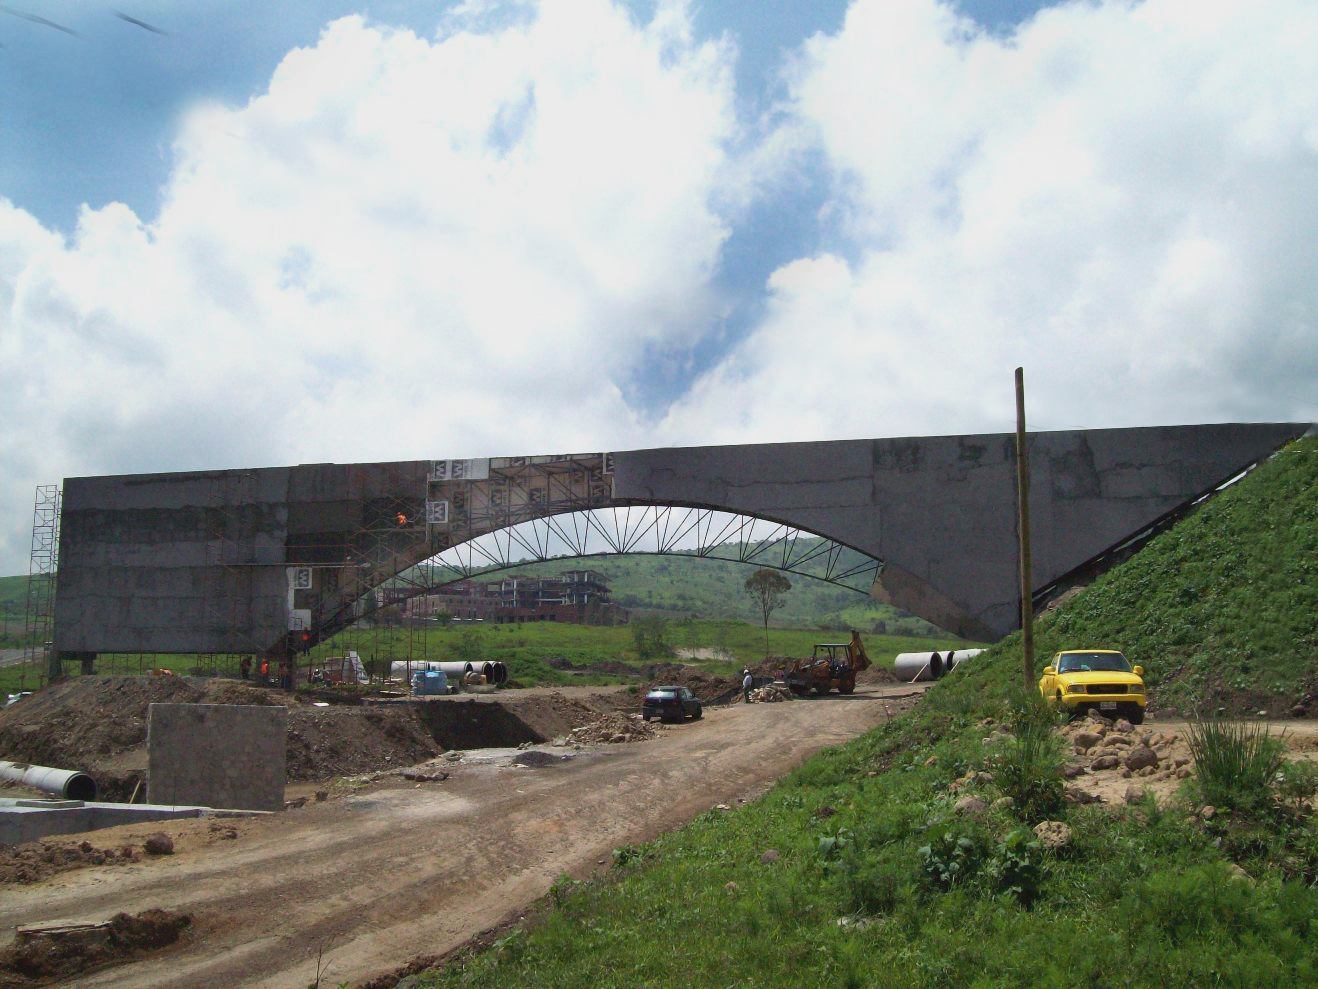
column 67, row 783
column 458, row 671
column 916, row 666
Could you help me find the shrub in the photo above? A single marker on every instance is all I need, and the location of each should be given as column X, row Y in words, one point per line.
column 1297, row 783
column 1028, row 766
column 1235, row 764
column 650, row 638
column 1016, row 866
column 951, row 859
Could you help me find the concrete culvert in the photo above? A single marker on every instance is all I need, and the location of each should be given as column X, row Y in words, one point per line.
column 67, row 783
column 911, row 667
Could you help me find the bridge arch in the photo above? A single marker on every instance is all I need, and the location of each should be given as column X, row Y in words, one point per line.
column 677, row 531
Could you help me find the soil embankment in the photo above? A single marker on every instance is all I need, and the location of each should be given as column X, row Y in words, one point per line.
column 97, row 724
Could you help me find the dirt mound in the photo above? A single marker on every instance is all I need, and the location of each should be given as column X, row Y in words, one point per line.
column 550, row 715
column 613, row 728
column 342, row 741
column 237, row 692
column 878, row 673
column 711, row 688
column 98, row 724
column 34, row 862
column 77, row 724
column 40, row 956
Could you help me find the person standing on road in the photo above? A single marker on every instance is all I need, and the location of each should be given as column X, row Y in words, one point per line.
column 747, row 681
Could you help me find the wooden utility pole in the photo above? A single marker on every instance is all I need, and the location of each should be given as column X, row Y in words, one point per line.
column 1023, row 529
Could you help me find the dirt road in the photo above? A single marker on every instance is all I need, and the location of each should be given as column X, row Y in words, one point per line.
column 387, row 875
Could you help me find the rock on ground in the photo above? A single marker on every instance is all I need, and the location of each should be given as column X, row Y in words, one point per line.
column 1053, row 835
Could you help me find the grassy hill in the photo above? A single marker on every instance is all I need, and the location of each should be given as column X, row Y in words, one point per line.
column 878, row 879
column 13, row 599
column 1222, row 611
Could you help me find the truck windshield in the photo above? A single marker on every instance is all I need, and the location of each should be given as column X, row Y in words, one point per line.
column 1093, row 662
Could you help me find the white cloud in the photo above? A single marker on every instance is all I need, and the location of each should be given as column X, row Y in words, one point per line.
column 405, row 247
column 1119, row 196
column 467, row 245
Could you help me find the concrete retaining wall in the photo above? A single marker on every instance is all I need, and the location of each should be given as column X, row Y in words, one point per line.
column 217, row 755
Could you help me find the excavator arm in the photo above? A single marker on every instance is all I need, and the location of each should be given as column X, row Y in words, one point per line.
column 860, row 660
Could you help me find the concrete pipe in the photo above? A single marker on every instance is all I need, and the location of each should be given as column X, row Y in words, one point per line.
column 455, row 669
column 67, row 783
column 916, row 666
column 498, row 673
column 402, row 670
column 955, row 659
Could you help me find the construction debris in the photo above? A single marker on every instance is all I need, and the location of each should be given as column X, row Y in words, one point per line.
column 770, row 693
column 613, row 729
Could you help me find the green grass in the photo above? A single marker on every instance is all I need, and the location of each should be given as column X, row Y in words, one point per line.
column 1223, row 609
column 13, row 601
column 894, row 888
column 527, row 649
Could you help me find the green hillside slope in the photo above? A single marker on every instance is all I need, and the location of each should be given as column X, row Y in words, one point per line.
column 13, row 599
column 1222, row 611
column 880, row 874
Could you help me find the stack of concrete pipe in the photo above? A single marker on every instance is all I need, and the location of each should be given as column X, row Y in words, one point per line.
column 495, row 673
column 67, row 783
column 916, row 666
column 403, row 670
column 458, row 671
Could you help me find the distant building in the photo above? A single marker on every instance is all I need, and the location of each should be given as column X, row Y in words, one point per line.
column 579, row 596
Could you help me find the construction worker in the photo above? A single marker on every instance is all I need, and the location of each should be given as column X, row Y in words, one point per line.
column 747, row 681
column 245, row 667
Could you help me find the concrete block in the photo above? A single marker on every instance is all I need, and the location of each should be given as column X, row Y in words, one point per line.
column 217, row 755
column 30, row 820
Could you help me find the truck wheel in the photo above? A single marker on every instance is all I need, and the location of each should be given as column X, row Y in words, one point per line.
column 1135, row 715
column 846, row 688
column 700, row 713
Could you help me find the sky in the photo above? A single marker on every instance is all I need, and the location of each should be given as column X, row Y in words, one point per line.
column 244, row 234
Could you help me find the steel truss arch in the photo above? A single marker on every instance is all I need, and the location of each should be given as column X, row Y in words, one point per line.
column 679, row 531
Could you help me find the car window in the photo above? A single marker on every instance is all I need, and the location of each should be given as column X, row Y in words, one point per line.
column 1093, row 662
column 660, row 695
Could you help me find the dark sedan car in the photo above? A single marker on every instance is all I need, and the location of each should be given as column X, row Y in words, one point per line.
column 670, row 704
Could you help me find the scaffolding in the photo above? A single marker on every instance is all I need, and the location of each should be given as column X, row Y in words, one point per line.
column 39, row 607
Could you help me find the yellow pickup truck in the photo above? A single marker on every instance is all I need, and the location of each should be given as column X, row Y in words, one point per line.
column 1078, row 679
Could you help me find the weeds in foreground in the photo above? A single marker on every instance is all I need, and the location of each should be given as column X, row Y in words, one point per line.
column 1028, row 766
column 1236, row 764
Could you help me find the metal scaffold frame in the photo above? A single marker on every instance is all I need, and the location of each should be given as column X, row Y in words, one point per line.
column 39, row 606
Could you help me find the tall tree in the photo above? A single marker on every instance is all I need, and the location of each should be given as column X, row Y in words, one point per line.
column 766, row 588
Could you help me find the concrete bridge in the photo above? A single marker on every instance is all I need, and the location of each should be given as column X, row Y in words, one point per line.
column 271, row 560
